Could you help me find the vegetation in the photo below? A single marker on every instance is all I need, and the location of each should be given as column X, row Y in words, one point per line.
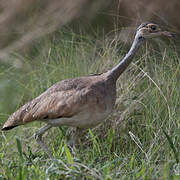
column 139, row 140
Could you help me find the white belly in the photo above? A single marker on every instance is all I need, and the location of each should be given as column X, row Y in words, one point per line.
column 81, row 120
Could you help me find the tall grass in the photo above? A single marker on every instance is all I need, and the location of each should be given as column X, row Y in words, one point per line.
column 139, row 140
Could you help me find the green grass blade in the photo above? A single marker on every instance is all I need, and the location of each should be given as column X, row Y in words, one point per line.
column 171, row 144
column 19, row 147
column 68, row 155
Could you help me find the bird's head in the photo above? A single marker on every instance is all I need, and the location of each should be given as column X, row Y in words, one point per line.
column 151, row 30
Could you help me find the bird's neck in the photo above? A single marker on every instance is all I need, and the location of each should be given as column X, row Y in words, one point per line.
column 121, row 67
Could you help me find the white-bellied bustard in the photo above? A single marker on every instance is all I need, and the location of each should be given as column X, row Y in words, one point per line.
column 81, row 102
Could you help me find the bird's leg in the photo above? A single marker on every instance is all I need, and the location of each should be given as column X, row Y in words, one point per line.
column 75, row 138
column 38, row 137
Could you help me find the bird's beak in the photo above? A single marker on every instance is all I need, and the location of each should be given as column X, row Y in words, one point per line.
column 168, row 34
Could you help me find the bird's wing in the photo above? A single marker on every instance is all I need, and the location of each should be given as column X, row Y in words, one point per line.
column 64, row 99
column 55, row 105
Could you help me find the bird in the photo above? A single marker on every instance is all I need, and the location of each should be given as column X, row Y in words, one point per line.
column 82, row 102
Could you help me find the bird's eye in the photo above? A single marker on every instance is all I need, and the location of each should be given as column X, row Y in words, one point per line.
column 153, row 28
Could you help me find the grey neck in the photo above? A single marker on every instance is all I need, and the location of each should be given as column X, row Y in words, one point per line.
column 121, row 67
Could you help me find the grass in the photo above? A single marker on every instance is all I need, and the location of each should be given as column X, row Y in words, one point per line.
column 139, row 140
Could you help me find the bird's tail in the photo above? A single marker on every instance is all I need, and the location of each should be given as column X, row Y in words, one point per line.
column 6, row 128
column 14, row 120
column 22, row 116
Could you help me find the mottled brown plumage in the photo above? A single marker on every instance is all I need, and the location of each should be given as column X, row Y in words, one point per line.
column 86, row 96
column 82, row 102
